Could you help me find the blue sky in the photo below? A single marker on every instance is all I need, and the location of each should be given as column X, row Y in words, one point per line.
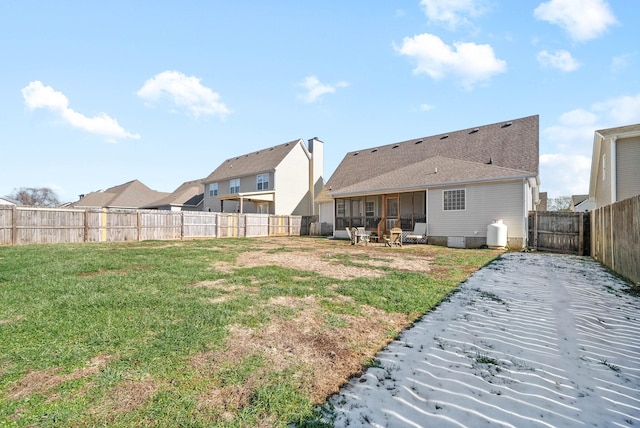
column 95, row 94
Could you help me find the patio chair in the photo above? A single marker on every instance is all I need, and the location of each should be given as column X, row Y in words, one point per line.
column 351, row 236
column 419, row 233
column 395, row 237
column 362, row 236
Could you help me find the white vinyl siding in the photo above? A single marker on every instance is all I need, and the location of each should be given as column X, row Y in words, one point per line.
column 603, row 181
column 484, row 204
column 627, row 168
column 291, row 183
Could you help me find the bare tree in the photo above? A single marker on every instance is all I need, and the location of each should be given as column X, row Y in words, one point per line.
column 35, row 196
column 560, row 203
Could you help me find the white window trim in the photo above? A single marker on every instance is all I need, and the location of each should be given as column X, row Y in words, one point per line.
column 213, row 190
column 454, row 190
column 232, row 187
column 265, row 179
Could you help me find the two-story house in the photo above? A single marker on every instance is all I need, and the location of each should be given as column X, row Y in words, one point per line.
column 282, row 179
column 614, row 165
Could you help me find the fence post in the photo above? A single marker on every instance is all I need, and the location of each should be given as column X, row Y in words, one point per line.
column 86, row 226
column 535, row 230
column 613, row 257
column 181, row 225
column 14, row 225
column 581, row 235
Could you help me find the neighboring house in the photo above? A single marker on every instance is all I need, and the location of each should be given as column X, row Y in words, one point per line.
column 189, row 196
column 458, row 183
column 581, row 203
column 283, row 179
column 7, row 201
column 130, row 195
column 615, row 174
column 542, row 205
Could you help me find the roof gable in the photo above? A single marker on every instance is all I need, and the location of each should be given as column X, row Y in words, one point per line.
column 504, row 147
column 188, row 193
column 252, row 163
column 133, row 194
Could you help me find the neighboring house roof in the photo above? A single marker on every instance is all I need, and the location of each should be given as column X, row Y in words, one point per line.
column 491, row 152
column 132, row 194
column 189, row 193
column 580, row 203
column 578, row 199
column 324, row 196
column 598, row 137
column 252, row 163
column 7, row 201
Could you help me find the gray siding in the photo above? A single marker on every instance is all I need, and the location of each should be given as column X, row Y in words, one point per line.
column 628, row 168
column 484, row 204
column 603, row 182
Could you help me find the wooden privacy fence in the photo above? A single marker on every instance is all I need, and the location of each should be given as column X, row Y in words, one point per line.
column 615, row 242
column 28, row 225
column 562, row 232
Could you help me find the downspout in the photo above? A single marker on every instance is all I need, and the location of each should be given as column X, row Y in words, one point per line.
column 613, row 171
column 426, row 203
column 525, row 231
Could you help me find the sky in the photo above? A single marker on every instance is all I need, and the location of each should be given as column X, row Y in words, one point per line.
column 96, row 94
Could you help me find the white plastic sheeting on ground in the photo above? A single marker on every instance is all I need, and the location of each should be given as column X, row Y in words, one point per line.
column 535, row 340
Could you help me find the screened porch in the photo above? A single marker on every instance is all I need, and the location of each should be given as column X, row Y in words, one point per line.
column 379, row 213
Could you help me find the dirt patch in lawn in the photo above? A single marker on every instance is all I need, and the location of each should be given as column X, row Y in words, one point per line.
column 344, row 264
column 126, row 396
column 322, row 356
column 40, row 382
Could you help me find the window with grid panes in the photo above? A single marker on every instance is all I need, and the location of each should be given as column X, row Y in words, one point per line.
column 263, row 181
column 234, row 186
column 453, row 200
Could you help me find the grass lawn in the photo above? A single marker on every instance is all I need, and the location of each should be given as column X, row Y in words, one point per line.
column 226, row 332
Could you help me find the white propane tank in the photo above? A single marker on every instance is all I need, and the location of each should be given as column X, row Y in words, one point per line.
column 497, row 235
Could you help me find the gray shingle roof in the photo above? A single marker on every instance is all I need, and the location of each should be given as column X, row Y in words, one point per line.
column 132, row 194
column 189, row 193
column 489, row 152
column 252, row 163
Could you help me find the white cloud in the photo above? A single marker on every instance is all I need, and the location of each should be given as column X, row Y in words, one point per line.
column 315, row 89
column 38, row 96
column 564, row 174
column 452, row 13
column 565, row 164
column 621, row 62
column 469, row 62
column 574, row 131
column 624, row 110
column 562, row 60
column 582, row 19
column 426, row 107
column 186, row 92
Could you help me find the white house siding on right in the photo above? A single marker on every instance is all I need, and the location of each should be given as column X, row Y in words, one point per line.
column 627, row 167
column 292, row 192
column 484, row 203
